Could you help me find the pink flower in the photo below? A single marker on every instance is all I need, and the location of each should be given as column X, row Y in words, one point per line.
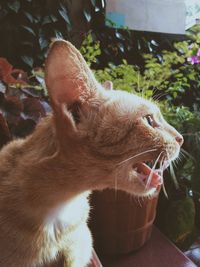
column 194, row 60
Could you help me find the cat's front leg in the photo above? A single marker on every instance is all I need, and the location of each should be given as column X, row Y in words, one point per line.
column 79, row 250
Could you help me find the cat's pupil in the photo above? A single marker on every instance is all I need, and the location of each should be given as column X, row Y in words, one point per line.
column 150, row 120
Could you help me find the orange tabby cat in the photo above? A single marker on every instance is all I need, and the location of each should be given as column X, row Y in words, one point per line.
column 94, row 138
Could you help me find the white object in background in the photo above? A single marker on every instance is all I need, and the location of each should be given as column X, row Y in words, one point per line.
column 168, row 16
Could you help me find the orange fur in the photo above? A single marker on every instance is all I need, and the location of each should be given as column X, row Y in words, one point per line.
column 45, row 179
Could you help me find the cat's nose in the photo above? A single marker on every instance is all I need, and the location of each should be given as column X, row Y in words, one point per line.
column 179, row 139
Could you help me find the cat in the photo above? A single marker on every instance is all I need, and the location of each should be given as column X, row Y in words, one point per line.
column 95, row 137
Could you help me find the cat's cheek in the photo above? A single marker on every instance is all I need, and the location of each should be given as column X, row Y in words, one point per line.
column 173, row 151
column 175, row 155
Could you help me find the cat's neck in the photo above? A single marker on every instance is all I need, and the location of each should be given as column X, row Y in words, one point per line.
column 44, row 177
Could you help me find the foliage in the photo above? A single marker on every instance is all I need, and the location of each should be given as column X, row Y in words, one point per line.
column 90, row 50
column 169, row 72
column 30, row 25
column 23, row 101
column 27, row 26
column 181, row 213
column 173, row 73
column 7, row 73
column 119, row 74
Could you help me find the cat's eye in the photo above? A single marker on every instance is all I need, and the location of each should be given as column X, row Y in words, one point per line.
column 150, row 120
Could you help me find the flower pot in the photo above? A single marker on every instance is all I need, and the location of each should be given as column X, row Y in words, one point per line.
column 119, row 222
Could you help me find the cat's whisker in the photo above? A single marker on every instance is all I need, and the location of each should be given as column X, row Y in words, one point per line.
column 139, row 199
column 165, row 191
column 137, row 155
column 179, row 159
column 185, row 154
column 161, row 174
column 173, row 175
column 138, row 84
column 182, row 157
column 116, row 182
column 176, row 162
column 152, row 170
column 157, row 97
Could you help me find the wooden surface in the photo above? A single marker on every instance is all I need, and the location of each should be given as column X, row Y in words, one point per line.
column 157, row 252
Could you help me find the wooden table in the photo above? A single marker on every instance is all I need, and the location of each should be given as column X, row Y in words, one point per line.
column 157, row 252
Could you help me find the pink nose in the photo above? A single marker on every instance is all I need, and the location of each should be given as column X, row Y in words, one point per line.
column 179, row 139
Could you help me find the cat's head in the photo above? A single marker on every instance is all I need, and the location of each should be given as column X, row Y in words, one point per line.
column 112, row 133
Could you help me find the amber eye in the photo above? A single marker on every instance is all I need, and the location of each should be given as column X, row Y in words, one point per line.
column 150, row 120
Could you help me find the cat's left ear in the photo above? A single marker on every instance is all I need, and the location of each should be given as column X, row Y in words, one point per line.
column 71, row 85
column 68, row 78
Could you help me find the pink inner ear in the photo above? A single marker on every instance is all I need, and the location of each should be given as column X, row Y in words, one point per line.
column 67, row 76
column 60, row 91
column 108, row 85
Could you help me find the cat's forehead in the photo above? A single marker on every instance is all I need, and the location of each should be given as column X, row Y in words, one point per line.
column 133, row 103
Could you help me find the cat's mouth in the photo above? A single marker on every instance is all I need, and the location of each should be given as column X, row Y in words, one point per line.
column 150, row 177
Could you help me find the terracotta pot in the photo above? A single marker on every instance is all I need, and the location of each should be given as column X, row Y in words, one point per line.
column 119, row 222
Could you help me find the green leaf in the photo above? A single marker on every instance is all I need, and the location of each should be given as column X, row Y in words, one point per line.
column 28, row 60
column 121, row 47
column 53, row 18
column 119, row 35
column 94, row 2
column 87, row 15
column 103, row 3
column 43, row 42
column 29, row 16
column 28, row 29
column 64, row 15
column 58, row 34
column 14, row 6
column 46, row 20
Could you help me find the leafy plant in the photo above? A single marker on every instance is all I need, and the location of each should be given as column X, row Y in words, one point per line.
column 90, row 49
column 27, row 28
column 23, row 101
